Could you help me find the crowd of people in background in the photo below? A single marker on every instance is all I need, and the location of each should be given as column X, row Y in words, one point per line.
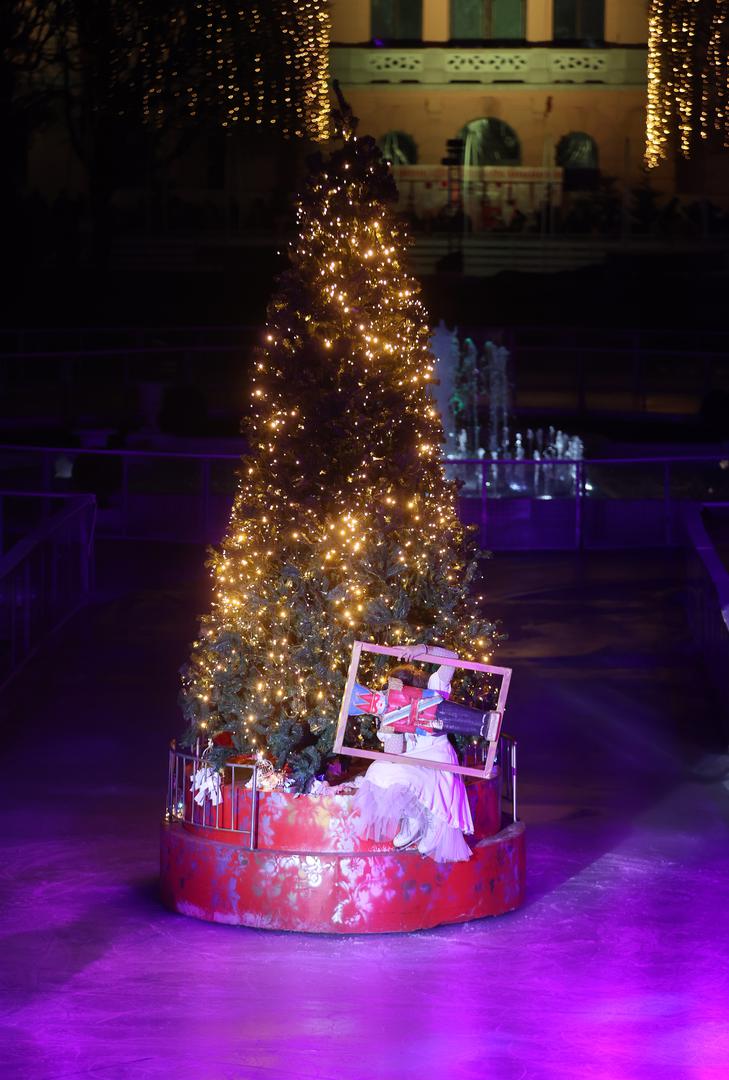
column 644, row 214
column 58, row 231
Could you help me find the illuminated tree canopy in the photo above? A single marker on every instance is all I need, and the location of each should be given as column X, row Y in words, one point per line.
column 343, row 525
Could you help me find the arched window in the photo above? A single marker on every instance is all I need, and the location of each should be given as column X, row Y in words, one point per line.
column 396, row 20
column 490, row 142
column 580, row 21
column 399, row 148
column 577, row 151
column 483, row 20
column 577, row 154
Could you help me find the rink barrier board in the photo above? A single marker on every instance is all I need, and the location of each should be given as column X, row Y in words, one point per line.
column 338, row 892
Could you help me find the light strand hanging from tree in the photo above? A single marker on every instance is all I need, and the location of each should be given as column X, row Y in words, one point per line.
column 688, row 76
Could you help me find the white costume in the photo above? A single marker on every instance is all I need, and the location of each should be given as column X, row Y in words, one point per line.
column 435, row 801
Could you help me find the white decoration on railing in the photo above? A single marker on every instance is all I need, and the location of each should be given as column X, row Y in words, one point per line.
column 486, row 60
column 381, row 60
column 205, row 784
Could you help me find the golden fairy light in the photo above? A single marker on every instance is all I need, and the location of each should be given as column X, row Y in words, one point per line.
column 688, row 76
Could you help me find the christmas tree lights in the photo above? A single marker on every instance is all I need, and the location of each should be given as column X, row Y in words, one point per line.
column 688, row 76
column 343, row 525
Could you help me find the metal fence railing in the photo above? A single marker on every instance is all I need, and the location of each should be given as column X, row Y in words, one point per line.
column 111, row 377
column 514, row 504
column 520, row 504
column 506, row 763
column 92, row 340
column 227, row 799
column 209, row 798
column 46, row 569
column 708, row 598
column 145, row 495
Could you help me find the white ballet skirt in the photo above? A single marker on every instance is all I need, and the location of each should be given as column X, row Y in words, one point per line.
column 437, row 799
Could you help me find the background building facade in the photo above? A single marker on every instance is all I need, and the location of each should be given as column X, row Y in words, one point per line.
column 529, row 86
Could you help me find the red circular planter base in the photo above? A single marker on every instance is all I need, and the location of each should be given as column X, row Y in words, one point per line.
column 290, row 881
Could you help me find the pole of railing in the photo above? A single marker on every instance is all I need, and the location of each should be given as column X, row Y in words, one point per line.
column 484, row 506
column 195, row 768
column 233, row 807
column 13, row 601
column 578, row 505
column 177, row 785
column 581, row 391
column 512, row 764
column 170, row 768
column 26, row 607
column 125, row 498
column 254, row 807
column 205, row 499
column 639, row 397
column 46, row 479
column 668, row 531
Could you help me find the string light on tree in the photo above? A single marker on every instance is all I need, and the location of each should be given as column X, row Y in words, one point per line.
column 343, row 525
column 688, row 76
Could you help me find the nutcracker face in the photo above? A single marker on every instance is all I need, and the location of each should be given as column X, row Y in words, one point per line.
column 413, row 710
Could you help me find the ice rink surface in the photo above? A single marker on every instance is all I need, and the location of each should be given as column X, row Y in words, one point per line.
column 616, row 968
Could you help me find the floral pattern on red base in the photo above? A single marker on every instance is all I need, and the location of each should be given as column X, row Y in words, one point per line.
column 330, row 892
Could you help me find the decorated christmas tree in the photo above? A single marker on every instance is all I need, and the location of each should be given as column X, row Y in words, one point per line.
column 343, row 526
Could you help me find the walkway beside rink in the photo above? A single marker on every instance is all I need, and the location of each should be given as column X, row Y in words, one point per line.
column 614, row 969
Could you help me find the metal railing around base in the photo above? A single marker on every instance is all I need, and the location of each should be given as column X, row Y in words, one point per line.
column 226, row 799
column 506, row 762
column 210, row 798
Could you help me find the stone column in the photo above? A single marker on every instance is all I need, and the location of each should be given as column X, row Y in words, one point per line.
column 436, row 20
column 539, row 20
column 350, row 21
column 626, row 22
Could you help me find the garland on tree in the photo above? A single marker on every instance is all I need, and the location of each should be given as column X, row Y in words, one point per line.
column 343, row 525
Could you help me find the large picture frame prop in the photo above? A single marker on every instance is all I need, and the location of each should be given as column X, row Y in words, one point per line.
column 492, row 720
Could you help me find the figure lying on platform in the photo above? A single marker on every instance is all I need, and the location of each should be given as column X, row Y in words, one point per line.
column 407, row 803
column 408, row 709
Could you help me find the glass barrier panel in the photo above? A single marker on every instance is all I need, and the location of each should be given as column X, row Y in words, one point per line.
column 164, row 498
column 700, row 481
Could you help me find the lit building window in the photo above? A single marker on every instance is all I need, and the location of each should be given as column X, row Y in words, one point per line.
column 397, row 20
column 489, row 141
column 577, row 150
column 399, row 148
column 485, row 20
column 580, row 21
